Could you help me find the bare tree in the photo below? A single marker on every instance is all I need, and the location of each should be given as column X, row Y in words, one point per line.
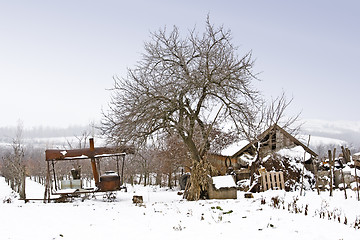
column 171, row 155
column 268, row 114
column 14, row 164
column 184, row 86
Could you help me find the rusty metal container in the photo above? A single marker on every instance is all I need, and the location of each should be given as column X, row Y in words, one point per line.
column 110, row 181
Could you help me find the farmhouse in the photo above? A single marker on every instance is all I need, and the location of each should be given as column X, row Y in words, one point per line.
column 273, row 150
column 273, row 139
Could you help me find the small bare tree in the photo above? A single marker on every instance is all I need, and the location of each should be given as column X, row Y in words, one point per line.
column 14, row 164
column 266, row 116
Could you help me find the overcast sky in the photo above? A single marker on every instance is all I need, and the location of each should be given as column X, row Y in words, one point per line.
column 57, row 58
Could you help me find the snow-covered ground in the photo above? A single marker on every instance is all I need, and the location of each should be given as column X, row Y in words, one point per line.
column 164, row 215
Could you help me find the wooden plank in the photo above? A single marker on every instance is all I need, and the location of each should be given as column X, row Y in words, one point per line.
column 273, row 181
column 278, row 182
column 282, row 180
column 268, row 180
column 263, row 181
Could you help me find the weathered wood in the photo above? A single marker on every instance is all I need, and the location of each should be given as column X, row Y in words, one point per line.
column 86, row 153
column 282, row 183
column 47, row 184
column 264, row 187
column 248, row 195
column 331, row 173
column 267, row 132
column 277, row 180
column 345, row 156
column 303, row 170
column 279, row 183
column 272, row 180
column 268, row 180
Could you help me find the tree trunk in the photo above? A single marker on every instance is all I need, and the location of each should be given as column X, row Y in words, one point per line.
column 158, row 179
column 140, row 179
column 169, row 180
column 22, row 184
column 145, row 179
column 199, row 180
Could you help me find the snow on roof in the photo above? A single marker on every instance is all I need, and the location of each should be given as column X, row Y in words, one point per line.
column 233, row 148
column 223, row 181
column 295, row 152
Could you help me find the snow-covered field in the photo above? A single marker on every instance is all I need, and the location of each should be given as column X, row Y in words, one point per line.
column 164, row 215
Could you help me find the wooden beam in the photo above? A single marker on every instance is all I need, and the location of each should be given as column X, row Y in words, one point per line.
column 85, row 153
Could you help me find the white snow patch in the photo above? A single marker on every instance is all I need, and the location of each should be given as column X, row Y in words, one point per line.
column 234, row 148
column 165, row 213
column 294, row 153
column 223, row 181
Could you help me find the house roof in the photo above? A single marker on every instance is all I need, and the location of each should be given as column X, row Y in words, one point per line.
column 265, row 133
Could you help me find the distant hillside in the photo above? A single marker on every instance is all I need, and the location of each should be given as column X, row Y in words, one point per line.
column 43, row 132
column 46, row 137
column 323, row 134
column 348, row 131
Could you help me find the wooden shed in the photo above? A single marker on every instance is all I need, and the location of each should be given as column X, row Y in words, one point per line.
column 271, row 140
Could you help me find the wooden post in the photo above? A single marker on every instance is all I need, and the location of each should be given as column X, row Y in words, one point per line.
column 331, row 174
column 47, row 184
column 272, row 174
column 93, row 163
column 303, row 170
column 263, row 178
column 282, row 180
column 316, row 177
column 122, row 170
column 357, row 164
column 278, row 182
column 54, row 175
column 268, row 180
column 345, row 157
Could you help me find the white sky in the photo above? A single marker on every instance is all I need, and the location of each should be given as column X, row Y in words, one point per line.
column 57, row 58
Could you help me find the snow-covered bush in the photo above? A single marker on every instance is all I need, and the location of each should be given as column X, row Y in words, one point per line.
column 292, row 168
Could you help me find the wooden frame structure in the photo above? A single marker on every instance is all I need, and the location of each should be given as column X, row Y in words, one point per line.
column 102, row 183
column 269, row 139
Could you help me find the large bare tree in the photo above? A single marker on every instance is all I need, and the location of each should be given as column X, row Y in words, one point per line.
column 184, row 86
